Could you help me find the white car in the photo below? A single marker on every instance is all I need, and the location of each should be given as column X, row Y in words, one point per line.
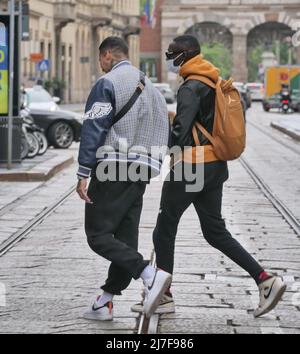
column 257, row 90
column 166, row 91
column 38, row 98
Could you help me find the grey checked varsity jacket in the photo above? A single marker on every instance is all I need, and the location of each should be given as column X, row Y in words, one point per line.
column 131, row 139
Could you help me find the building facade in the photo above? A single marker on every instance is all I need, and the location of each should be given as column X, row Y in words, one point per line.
column 241, row 22
column 67, row 33
column 150, row 42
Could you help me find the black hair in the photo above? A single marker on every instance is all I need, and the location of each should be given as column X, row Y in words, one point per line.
column 189, row 43
column 115, row 44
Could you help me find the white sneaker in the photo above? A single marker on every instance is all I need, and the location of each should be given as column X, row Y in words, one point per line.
column 166, row 305
column 102, row 313
column 270, row 293
column 154, row 292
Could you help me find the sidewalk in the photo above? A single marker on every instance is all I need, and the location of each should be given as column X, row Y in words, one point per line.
column 289, row 125
column 40, row 168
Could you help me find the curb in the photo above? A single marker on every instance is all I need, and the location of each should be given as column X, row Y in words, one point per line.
column 289, row 132
column 41, row 173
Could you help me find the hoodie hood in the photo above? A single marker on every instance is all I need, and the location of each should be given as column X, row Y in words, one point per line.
column 200, row 66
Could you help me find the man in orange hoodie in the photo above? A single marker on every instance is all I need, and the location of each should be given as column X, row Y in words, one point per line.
column 196, row 103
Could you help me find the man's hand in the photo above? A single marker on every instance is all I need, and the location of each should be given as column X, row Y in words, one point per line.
column 82, row 191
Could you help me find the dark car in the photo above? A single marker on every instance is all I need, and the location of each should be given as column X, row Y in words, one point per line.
column 245, row 93
column 61, row 127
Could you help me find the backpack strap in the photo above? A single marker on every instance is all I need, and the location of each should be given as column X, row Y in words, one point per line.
column 204, row 132
column 208, row 136
column 140, row 88
column 204, row 79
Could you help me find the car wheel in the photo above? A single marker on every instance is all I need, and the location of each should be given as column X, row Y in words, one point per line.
column 61, row 135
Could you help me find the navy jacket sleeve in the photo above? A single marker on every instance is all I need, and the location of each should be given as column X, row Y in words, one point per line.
column 99, row 112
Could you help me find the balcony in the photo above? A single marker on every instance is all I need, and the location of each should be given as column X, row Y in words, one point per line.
column 64, row 12
column 101, row 11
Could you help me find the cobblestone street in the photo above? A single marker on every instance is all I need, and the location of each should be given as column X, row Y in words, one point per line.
column 51, row 276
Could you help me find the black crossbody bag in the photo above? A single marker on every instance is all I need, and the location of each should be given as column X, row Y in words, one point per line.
column 140, row 88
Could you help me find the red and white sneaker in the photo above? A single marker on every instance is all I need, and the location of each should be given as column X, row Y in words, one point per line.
column 100, row 313
column 270, row 293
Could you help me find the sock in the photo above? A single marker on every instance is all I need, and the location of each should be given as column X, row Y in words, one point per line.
column 263, row 276
column 104, row 299
column 148, row 274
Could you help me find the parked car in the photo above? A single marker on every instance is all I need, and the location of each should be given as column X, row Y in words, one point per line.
column 256, row 90
column 61, row 127
column 38, row 98
column 245, row 92
column 166, row 91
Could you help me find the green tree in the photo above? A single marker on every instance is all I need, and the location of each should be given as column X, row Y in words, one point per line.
column 219, row 55
column 255, row 58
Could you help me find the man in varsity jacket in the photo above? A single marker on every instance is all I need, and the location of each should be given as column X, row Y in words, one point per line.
column 114, row 204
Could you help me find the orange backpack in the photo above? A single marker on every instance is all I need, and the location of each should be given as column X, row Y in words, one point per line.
column 228, row 137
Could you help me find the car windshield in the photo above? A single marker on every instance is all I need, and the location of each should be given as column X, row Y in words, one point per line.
column 38, row 96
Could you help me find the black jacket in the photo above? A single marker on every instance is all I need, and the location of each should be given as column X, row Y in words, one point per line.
column 196, row 102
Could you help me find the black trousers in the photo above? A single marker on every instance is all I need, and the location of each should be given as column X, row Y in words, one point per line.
column 208, row 202
column 112, row 227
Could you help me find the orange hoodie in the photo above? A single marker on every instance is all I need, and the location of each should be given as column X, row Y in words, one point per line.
column 200, row 66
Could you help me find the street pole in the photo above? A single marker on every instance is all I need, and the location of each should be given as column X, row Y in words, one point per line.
column 19, row 52
column 11, row 82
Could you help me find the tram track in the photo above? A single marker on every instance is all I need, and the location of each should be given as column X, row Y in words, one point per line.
column 26, row 229
column 278, row 204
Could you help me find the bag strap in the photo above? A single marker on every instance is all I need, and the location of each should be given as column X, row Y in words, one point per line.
column 204, row 79
column 204, row 132
column 208, row 136
column 140, row 88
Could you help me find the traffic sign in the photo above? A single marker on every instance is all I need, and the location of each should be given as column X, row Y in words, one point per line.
column 43, row 65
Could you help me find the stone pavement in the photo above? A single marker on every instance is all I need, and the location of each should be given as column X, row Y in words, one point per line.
column 21, row 202
column 51, row 276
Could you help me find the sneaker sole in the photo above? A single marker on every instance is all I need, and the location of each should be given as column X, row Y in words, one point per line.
column 94, row 317
column 273, row 304
column 150, row 311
